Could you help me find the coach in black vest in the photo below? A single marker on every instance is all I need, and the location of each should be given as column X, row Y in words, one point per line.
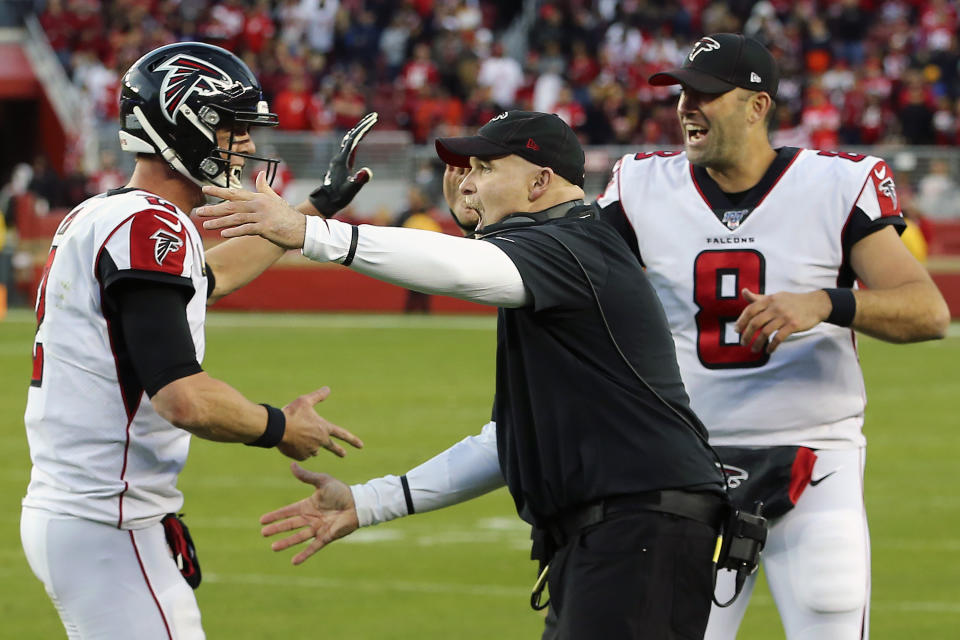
column 595, row 437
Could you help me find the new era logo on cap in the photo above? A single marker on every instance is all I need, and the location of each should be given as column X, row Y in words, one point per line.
column 754, row 77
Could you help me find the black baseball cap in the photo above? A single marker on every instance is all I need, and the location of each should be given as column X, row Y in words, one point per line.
column 541, row 138
column 720, row 62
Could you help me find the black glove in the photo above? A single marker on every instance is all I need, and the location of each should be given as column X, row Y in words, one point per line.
column 339, row 187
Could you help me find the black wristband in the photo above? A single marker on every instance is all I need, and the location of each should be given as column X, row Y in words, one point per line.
column 276, row 425
column 406, row 494
column 352, row 251
column 844, row 307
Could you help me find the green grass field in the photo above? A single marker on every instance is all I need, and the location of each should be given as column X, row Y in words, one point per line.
column 412, row 386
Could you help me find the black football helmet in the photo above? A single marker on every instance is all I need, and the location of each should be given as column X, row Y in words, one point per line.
column 173, row 100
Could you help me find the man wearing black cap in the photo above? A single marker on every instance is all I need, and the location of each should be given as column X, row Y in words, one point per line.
column 754, row 253
column 774, row 377
column 595, row 438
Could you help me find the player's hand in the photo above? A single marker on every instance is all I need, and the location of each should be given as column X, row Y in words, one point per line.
column 261, row 213
column 307, row 432
column 327, row 515
column 769, row 320
column 339, row 186
column 466, row 219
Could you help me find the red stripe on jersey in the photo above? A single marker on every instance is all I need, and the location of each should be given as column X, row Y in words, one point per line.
column 126, row 452
column 801, row 472
column 37, row 378
column 146, row 579
column 158, row 241
column 130, row 406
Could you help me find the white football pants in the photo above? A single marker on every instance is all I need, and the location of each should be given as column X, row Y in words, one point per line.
column 816, row 560
column 108, row 583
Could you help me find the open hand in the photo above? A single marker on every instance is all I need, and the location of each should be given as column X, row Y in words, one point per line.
column 261, row 213
column 467, row 219
column 325, row 516
column 307, row 431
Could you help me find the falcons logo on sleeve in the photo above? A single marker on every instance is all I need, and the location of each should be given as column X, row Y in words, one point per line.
column 187, row 75
column 166, row 243
column 883, row 182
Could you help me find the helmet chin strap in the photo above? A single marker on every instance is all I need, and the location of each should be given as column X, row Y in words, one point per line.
column 168, row 154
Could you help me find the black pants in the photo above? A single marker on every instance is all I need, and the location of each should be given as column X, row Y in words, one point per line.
column 638, row 575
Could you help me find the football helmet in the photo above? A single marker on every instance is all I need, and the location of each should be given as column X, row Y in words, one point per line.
column 174, row 99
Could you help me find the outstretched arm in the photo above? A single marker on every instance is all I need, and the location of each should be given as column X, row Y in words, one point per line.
column 236, row 262
column 466, row 470
column 421, row 260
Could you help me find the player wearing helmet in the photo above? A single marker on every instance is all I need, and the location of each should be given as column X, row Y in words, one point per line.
column 117, row 387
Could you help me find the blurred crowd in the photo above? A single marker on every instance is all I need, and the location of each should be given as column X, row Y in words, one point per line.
column 854, row 71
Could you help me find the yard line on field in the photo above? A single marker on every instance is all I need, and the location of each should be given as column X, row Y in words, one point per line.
column 349, row 321
column 371, row 586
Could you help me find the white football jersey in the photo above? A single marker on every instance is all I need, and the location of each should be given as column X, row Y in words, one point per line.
column 98, row 448
column 787, row 234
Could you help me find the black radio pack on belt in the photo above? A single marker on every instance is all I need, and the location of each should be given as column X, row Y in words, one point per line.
column 739, row 546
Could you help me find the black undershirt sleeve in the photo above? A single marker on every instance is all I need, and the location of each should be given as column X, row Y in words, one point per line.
column 155, row 333
column 211, row 279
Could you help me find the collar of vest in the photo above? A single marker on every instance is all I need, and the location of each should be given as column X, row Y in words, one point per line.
column 567, row 209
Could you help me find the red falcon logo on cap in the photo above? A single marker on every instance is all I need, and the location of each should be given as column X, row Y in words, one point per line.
column 703, row 44
column 186, row 75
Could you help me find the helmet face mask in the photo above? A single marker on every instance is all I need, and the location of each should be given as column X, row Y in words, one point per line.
column 175, row 99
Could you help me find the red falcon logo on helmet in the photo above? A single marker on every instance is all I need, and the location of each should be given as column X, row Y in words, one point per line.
column 187, row 75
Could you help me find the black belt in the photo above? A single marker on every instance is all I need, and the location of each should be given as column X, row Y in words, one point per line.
column 707, row 508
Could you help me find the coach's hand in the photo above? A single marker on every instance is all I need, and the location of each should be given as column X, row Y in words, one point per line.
column 307, row 432
column 769, row 320
column 467, row 219
column 327, row 515
column 261, row 213
column 339, row 186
